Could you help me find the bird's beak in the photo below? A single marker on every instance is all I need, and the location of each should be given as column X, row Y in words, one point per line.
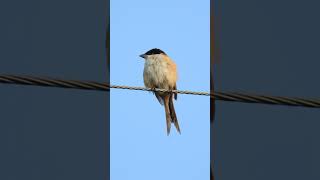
column 143, row 56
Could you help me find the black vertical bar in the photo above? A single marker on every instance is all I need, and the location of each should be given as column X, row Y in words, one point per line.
column 107, row 133
column 214, row 59
column 212, row 101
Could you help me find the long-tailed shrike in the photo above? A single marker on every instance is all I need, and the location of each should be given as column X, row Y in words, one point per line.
column 161, row 72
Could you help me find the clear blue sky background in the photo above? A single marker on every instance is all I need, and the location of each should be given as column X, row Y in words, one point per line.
column 140, row 148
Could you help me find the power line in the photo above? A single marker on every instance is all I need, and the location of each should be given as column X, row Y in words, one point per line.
column 221, row 96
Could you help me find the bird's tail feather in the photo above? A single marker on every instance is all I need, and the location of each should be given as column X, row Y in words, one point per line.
column 168, row 116
column 173, row 115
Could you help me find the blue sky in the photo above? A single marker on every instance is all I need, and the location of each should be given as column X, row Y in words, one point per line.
column 140, row 148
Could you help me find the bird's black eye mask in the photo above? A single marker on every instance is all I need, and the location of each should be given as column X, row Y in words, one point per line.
column 155, row 51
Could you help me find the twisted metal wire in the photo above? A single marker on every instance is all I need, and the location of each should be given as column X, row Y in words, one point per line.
column 222, row 96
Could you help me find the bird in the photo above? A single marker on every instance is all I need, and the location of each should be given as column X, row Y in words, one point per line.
column 160, row 71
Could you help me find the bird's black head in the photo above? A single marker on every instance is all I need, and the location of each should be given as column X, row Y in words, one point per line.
column 154, row 51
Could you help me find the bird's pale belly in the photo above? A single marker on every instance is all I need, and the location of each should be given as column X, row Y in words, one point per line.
column 156, row 75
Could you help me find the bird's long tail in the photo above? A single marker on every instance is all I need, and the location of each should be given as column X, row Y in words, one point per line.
column 173, row 115
column 168, row 114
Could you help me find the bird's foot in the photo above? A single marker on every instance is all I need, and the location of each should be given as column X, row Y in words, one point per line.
column 153, row 89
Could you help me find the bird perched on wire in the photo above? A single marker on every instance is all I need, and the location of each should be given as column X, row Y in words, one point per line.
column 161, row 72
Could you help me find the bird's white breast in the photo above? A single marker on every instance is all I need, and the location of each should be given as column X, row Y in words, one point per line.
column 157, row 74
